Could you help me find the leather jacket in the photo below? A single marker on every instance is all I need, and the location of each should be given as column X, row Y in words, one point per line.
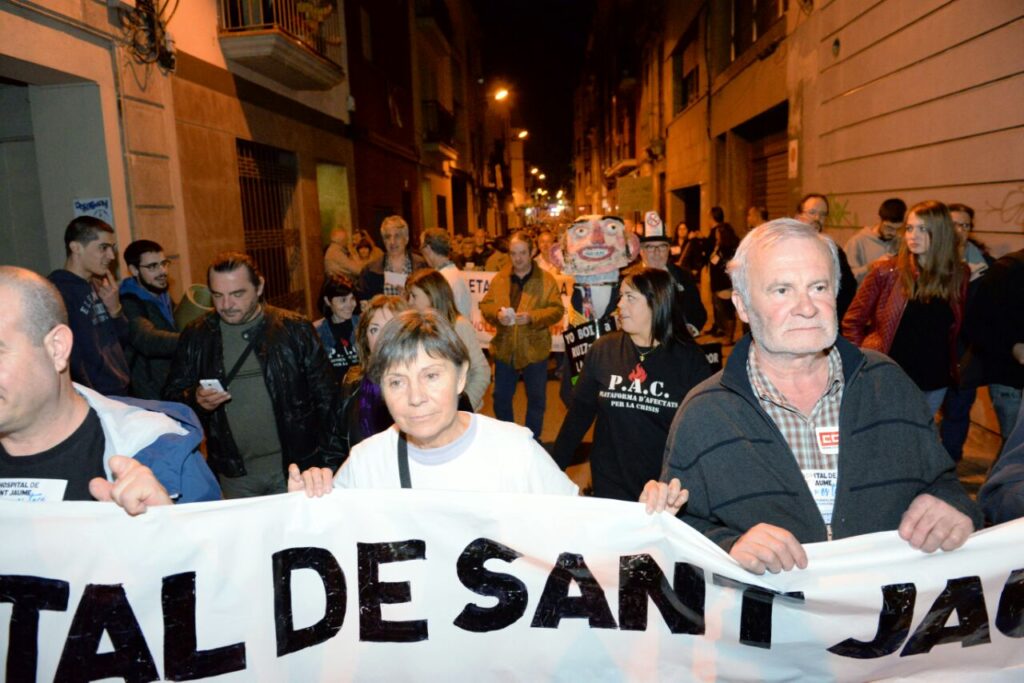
column 298, row 377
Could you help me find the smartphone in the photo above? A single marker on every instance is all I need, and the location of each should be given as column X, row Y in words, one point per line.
column 211, row 384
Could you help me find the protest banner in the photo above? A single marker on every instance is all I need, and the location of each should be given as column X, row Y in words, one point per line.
column 421, row 585
column 579, row 338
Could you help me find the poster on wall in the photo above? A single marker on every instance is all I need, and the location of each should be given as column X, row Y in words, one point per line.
column 97, row 207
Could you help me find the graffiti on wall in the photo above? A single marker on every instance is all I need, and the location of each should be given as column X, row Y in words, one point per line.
column 839, row 213
column 1011, row 208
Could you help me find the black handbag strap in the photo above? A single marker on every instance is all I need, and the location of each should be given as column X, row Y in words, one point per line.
column 403, row 461
column 241, row 359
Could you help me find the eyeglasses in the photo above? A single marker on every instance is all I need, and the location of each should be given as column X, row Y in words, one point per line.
column 155, row 264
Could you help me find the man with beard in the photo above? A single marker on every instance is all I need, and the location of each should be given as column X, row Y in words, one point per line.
column 878, row 240
column 152, row 335
column 803, row 437
column 260, row 382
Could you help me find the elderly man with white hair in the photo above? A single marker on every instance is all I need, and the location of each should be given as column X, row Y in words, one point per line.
column 803, row 437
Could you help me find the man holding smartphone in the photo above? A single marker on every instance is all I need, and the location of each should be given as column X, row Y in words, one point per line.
column 259, row 380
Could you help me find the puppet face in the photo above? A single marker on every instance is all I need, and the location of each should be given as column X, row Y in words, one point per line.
column 596, row 245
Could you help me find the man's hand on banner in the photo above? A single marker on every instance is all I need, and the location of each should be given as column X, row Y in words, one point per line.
column 768, row 547
column 930, row 524
column 316, row 481
column 658, row 496
column 134, row 487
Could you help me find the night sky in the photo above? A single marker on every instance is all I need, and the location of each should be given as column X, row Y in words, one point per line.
column 537, row 46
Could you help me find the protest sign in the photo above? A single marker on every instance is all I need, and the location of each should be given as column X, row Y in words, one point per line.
column 580, row 338
column 421, row 585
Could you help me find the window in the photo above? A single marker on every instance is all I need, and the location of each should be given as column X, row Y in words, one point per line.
column 686, row 70
column 751, row 19
column 267, row 177
column 364, row 34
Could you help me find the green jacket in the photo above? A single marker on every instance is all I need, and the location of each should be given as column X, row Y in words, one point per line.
column 521, row 345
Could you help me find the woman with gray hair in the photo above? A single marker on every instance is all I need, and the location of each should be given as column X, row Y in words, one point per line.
column 421, row 366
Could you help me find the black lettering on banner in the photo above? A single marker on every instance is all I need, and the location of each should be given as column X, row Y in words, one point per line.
column 963, row 596
column 893, row 625
column 326, row 566
column 510, row 591
column 555, row 603
column 373, row 592
column 182, row 661
column 756, row 610
column 28, row 595
column 105, row 608
column 681, row 605
column 1010, row 613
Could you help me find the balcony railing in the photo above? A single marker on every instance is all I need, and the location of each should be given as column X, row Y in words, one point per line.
column 438, row 123
column 314, row 23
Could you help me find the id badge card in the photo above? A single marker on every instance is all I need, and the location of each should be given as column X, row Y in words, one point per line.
column 822, row 484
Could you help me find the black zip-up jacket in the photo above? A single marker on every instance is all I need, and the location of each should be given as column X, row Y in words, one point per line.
column 739, row 469
column 299, row 380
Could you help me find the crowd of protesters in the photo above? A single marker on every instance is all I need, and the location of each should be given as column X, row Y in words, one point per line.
column 393, row 364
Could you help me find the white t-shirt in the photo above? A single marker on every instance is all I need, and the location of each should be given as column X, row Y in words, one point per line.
column 491, row 456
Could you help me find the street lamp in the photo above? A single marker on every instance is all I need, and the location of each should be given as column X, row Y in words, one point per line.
column 501, row 94
column 542, row 176
column 523, row 134
column 534, row 171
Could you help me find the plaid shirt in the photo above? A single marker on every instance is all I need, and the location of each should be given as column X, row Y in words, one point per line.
column 798, row 429
column 395, row 290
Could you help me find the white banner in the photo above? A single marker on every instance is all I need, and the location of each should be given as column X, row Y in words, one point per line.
column 413, row 585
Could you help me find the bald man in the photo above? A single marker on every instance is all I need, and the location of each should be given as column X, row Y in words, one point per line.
column 62, row 441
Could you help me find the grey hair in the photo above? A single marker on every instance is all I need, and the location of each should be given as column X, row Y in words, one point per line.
column 439, row 241
column 402, row 337
column 42, row 306
column 767, row 235
column 395, row 221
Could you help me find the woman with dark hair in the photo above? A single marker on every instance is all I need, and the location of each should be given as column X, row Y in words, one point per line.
column 910, row 306
column 360, row 403
column 337, row 327
column 421, row 365
column 633, row 380
column 428, row 289
column 723, row 245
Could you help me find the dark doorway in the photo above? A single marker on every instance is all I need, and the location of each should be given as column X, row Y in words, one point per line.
column 768, row 137
column 460, row 207
column 442, row 211
column 690, row 199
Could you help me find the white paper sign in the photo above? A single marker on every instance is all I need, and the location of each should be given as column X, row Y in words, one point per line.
column 437, row 586
column 97, row 207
